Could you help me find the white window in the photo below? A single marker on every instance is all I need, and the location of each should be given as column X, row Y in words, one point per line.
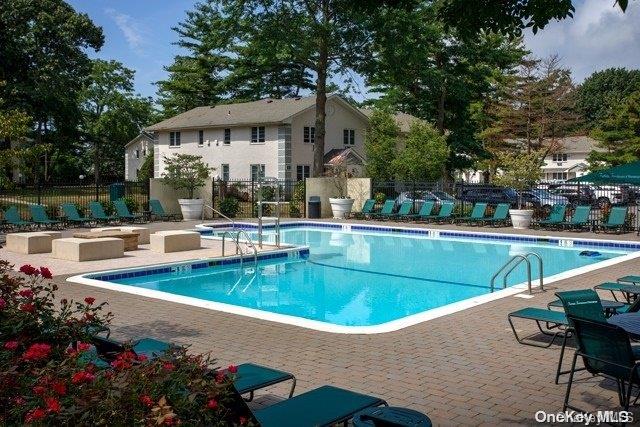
column 174, row 139
column 200, row 138
column 302, row 172
column 349, row 136
column 309, row 135
column 227, row 137
column 144, row 152
column 560, row 157
column 225, row 172
column 257, row 134
column 257, row 172
column 560, row 175
column 137, row 154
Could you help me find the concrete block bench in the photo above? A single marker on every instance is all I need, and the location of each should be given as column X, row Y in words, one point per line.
column 75, row 249
column 37, row 242
column 174, row 241
column 143, row 232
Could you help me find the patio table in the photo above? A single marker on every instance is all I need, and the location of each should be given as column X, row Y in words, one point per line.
column 630, row 322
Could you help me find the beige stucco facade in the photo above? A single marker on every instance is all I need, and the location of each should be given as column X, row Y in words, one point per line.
column 134, row 154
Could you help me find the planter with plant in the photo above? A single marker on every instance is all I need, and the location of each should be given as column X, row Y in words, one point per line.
column 187, row 172
column 342, row 204
column 520, row 171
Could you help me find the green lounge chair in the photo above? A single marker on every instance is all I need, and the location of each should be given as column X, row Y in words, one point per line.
column 606, row 351
column 555, row 218
column 14, row 221
column 108, row 349
column 73, row 216
column 579, row 219
column 40, row 217
column 97, row 212
column 626, row 289
column 123, row 212
column 386, row 211
column 405, row 210
column 629, row 279
column 444, row 215
column 323, row 406
column 500, row 216
column 367, row 209
column 555, row 324
column 251, row 377
column 616, row 220
column 158, row 212
column 425, row 210
column 477, row 214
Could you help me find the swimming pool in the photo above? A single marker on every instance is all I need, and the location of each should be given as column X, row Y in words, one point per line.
column 361, row 281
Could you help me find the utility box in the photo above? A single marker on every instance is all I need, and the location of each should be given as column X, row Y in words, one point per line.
column 313, row 207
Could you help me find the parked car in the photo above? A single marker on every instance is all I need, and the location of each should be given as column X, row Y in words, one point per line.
column 489, row 194
column 582, row 194
column 540, row 198
column 421, row 196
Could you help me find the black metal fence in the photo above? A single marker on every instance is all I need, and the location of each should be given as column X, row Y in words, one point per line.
column 52, row 195
column 540, row 197
column 239, row 198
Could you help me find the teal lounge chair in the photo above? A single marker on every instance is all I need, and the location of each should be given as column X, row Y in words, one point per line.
column 386, row 211
column 616, row 220
column 251, row 377
column 555, row 218
column 425, row 210
column 405, row 210
column 323, row 406
column 158, row 212
column 367, row 209
column 14, row 221
column 123, row 212
column 40, row 217
column 555, row 324
column 97, row 212
column 477, row 214
column 579, row 220
column 444, row 215
column 628, row 291
column 500, row 216
column 73, row 216
column 108, row 349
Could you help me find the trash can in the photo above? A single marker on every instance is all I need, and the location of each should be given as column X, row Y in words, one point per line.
column 116, row 191
column 313, row 207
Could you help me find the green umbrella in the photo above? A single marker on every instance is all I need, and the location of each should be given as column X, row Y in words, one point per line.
column 623, row 174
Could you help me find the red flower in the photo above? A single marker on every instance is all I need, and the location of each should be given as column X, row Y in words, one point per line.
column 34, row 415
column 82, row 377
column 220, row 377
column 53, row 405
column 146, row 400
column 11, row 345
column 37, row 352
column 19, row 401
column 29, row 270
column 3, row 303
column 233, row 369
column 46, row 273
column 28, row 307
column 83, row 346
column 59, row 387
column 89, row 316
column 26, row 293
column 39, row 390
column 89, row 300
column 141, row 358
column 242, row 420
column 212, row 404
column 168, row 366
column 169, row 420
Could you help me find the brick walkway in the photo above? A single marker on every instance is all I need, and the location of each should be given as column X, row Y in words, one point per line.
column 462, row 369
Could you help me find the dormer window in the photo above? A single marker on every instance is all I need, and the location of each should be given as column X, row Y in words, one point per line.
column 559, row 157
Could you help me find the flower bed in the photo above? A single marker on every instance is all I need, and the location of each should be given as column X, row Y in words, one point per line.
column 50, row 373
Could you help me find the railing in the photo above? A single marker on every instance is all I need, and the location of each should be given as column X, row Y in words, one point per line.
column 251, row 245
column 215, row 211
column 514, row 262
column 239, row 248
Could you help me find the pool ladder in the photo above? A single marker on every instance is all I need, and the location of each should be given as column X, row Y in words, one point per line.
column 239, row 250
column 515, row 261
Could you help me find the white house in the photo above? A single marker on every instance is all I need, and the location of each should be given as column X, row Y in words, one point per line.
column 269, row 137
column 135, row 152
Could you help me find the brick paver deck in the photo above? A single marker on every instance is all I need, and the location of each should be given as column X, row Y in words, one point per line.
column 462, row 369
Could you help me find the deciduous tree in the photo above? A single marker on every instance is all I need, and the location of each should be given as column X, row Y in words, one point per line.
column 381, row 145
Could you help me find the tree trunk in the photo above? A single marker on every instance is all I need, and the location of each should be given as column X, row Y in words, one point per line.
column 321, row 96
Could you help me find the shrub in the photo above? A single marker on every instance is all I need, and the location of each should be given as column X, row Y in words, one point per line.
column 380, row 197
column 49, row 375
column 185, row 172
column 297, row 199
column 131, row 203
column 230, row 206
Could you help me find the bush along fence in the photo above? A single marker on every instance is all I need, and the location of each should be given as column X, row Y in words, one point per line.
column 239, row 198
column 52, row 195
column 540, row 197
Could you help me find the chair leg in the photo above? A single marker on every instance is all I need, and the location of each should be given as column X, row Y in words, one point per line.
column 566, row 396
column 293, row 387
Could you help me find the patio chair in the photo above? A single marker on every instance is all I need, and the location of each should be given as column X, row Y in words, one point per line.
column 424, row 212
column 555, row 324
column 73, row 216
column 251, row 377
column 14, row 221
column 157, row 211
column 626, row 289
column 123, row 212
column 616, row 220
column 97, row 212
column 606, row 351
column 477, row 214
column 444, row 215
column 367, row 208
column 579, row 220
column 500, row 216
column 41, row 219
column 386, row 211
column 323, row 406
column 555, row 218
column 108, row 349
column 405, row 210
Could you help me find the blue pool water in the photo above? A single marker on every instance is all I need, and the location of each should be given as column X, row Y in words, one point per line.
column 358, row 279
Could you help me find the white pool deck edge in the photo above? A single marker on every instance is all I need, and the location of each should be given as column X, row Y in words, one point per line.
column 391, row 326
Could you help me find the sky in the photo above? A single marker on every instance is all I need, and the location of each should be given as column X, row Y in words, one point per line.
column 138, row 33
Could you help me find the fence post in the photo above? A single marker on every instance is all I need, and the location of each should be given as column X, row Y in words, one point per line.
column 39, row 191
column 253, row 197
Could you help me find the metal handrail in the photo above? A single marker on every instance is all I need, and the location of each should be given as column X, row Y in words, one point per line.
column 238, row 248
column 233, row 224
column 519, row 258
column 251, row 245
column 540, row 269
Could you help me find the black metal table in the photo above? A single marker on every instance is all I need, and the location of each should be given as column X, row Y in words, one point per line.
column 630, row 322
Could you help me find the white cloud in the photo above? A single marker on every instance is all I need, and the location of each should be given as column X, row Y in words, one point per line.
column 599, row 36
column 131, row 29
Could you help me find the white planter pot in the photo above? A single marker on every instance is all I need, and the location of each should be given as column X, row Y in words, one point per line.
column 521, row 218
column 341, row 208
column 191, row 208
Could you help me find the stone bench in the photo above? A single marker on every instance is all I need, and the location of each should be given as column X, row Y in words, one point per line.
column 143, row 232
column 37, row 242
column 74, row 249
column 174, row 241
